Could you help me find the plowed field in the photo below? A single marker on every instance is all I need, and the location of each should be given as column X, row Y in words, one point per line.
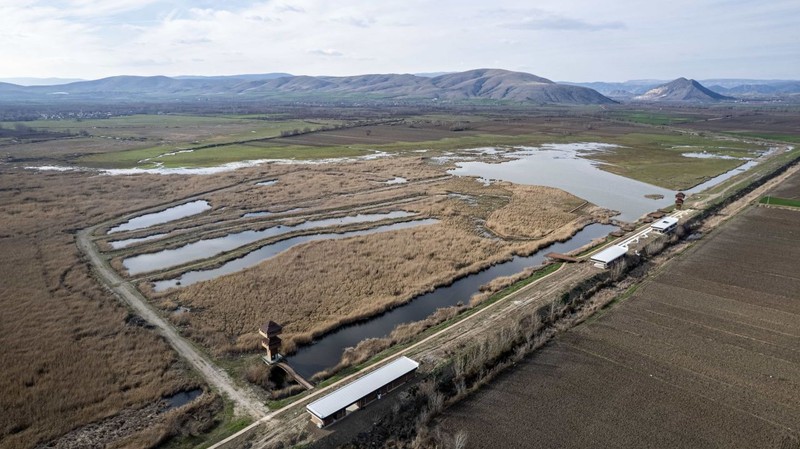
column 706, row 354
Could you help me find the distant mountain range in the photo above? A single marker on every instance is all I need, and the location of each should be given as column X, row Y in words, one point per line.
column 740, row 88
column 481, row 84
column 682, row 90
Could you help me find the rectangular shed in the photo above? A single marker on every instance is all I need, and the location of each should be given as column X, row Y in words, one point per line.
column 608, row 256
column 665, row 225
column 361, row 392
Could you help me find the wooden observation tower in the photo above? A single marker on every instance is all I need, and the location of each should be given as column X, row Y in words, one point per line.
column 271, row 341
column 679, row 197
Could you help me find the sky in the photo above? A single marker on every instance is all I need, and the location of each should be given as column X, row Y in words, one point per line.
column 564, row 40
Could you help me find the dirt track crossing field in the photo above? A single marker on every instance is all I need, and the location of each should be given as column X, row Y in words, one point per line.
column 706, row 354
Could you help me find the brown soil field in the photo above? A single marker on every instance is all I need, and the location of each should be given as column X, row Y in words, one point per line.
column 549, row 125
column 705, row 354
column 72, row 354
column 749, row 120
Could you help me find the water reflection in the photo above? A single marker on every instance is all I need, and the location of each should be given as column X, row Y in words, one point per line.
column 203, row 249
column 166, row 215
column 265, row 252
column 327, row 351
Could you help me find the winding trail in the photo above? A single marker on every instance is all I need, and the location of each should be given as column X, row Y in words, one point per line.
column 245, row 401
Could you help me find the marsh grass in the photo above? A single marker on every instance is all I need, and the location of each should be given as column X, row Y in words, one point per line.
column 73, row 355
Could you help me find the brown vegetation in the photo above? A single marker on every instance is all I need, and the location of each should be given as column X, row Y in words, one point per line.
column 302, row 290
column 72, row 354
column 534, row 212
column 316, row 287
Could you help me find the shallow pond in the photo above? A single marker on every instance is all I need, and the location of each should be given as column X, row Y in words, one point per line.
column 327, row 351
column 182, row 398
column 166, row 215
column 203, row 249
column 560, row 166
column 265, row 252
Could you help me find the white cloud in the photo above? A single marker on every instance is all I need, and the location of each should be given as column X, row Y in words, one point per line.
column 559, row 39
column 326, row 52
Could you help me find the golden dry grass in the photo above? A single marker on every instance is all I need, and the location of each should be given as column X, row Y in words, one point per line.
column 71, row 356
column 534, row 212
column 315, row 288
column 333, row 183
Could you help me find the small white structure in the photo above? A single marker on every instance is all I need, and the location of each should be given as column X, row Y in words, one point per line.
column 358, row 394
column 665, row 225
column 608, row 256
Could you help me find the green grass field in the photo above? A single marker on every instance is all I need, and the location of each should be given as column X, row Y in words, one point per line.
column 775, row 201
column 658, row 158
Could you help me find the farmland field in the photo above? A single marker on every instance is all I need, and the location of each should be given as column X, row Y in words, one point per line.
column 703, row 355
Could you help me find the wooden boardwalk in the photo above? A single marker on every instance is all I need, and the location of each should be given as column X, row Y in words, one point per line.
column 562, row 257
column 291, row 372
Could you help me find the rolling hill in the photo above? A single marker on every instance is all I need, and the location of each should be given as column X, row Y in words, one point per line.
column 682, row 90
column 480, row 84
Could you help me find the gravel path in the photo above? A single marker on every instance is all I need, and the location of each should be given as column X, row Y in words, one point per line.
column 245, row 401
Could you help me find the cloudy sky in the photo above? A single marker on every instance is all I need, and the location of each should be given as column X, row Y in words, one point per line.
column 573, row 40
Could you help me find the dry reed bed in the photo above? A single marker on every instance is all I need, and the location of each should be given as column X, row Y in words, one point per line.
column 316, row 188
column 315, row 288
column 551, row 207
column 241, row 251
column 316, row 181
column 72, row 355
column 183, row 237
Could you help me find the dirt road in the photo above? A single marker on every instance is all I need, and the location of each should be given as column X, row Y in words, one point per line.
column 245, row 401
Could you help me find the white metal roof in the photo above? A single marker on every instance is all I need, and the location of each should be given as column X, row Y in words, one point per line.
column 610, row 254
column 352, row 392
column 664, row 223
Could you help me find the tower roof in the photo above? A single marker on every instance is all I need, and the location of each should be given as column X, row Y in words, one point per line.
column 271, row 328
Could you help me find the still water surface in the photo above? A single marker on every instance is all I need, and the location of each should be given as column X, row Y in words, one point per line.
column 327, row 351
column 166, row 215
column 265, row 252
column 203, row 249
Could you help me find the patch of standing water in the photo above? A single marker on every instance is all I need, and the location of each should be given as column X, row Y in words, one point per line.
column 725, row 176
column 704, row 155
column 396, row 180
column 265, row 252
column 327, row 351
column 182, row 398
column 166, row 215
column 118, row 244
column 560, row 166
column 203, row 249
